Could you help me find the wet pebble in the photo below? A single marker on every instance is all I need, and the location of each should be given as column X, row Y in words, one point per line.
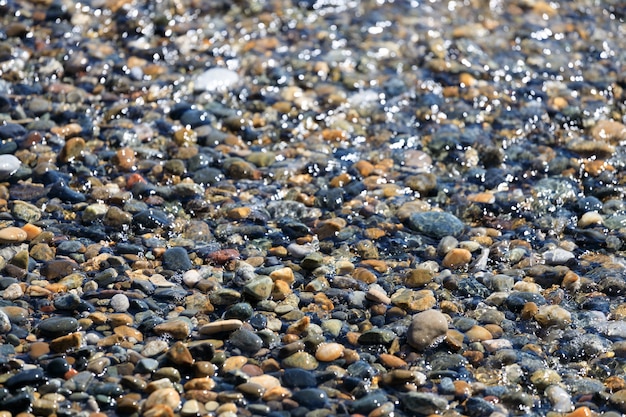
column 427, row 328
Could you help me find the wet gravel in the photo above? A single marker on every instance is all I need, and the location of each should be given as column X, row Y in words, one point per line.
column 312, row 208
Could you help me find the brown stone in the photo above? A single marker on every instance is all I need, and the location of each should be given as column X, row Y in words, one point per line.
column 457, row 258
column 328, row 352
column 12, row 235
column 391, row 361
column 418, row 277
column 179, row 354
column 125, row 159
column 64, row 343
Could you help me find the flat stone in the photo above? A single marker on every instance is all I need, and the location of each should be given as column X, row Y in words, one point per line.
column 436, row 224
column 220, row 326
column 12, row 235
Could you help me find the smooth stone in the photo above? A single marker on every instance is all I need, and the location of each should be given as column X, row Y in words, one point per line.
column 436, row 224
column 176, row 259
column 427, row 329
column 302, row 360
column 215, row 79
column 618, row 399
column 120, row 303
column 377, row 337
column 5, row 322
column 456, row 258
column 63, row 192
column 12, row 292
column 178, row 328
column 369, row 402
column 25, row 211
column 154, row 348
column 9, row 164
column 311, row 398
column 557, row 256
column 30, row 377
column 559, row 398
column 57, row 326
column 151, row 219
column 220, row 326
column 553, row 316
column 246, row 340
column 423, row 403
column 240, row 311
column 179, row 354
column 298, row 378
column 328, row 352
column 542, row 378
column 12, row 234
column 146, row 365
column 260, row 288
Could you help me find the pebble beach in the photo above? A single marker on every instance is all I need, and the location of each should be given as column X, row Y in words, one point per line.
column 311, row 208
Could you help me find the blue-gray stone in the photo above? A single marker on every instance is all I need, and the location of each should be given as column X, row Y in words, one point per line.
column 298, row 378
column 436, row 224
column 57, row 326
column 246, row 340
column 368, row 402
column 176, row 259
column 423, row 403
column 151, row 219
column 311, row 398
column 27, row 378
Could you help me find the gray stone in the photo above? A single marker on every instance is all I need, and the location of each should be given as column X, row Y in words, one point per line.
column 426, row 329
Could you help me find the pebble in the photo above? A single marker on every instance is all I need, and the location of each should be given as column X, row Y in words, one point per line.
column 328, row 352
column 176, row 259
column 10, row 235
column 436, row 224
column 302, row 360
column 215, row 79
column 120, row 303
column 9, row 165
column 457, row 258
column 557, row 256
column 427, row 328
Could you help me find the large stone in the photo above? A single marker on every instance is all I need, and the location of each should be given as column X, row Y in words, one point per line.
column 427, row 329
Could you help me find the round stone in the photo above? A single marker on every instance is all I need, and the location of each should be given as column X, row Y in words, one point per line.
column 120, row 303
column 302, row 360
column 457, row 258
column 427, row 329
column 328, row 352
column 9, row 164
column 176, row 259
column 215, row 79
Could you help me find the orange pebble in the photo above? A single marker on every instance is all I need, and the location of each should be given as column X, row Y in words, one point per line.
column 581, row 412
column 134, row 179
column 31, row 230
column 70, row 373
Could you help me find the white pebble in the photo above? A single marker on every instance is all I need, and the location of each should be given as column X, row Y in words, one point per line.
column 215, row 79
column 589, row 218
column 8, row 165
column 92, row 338
column 5, row 323
column 120, row 303
column 191, row 278
column 559, row 398
column 13, row 292
column 557, row 256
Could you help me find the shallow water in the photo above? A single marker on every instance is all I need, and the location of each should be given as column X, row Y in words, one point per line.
column 290, row 149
